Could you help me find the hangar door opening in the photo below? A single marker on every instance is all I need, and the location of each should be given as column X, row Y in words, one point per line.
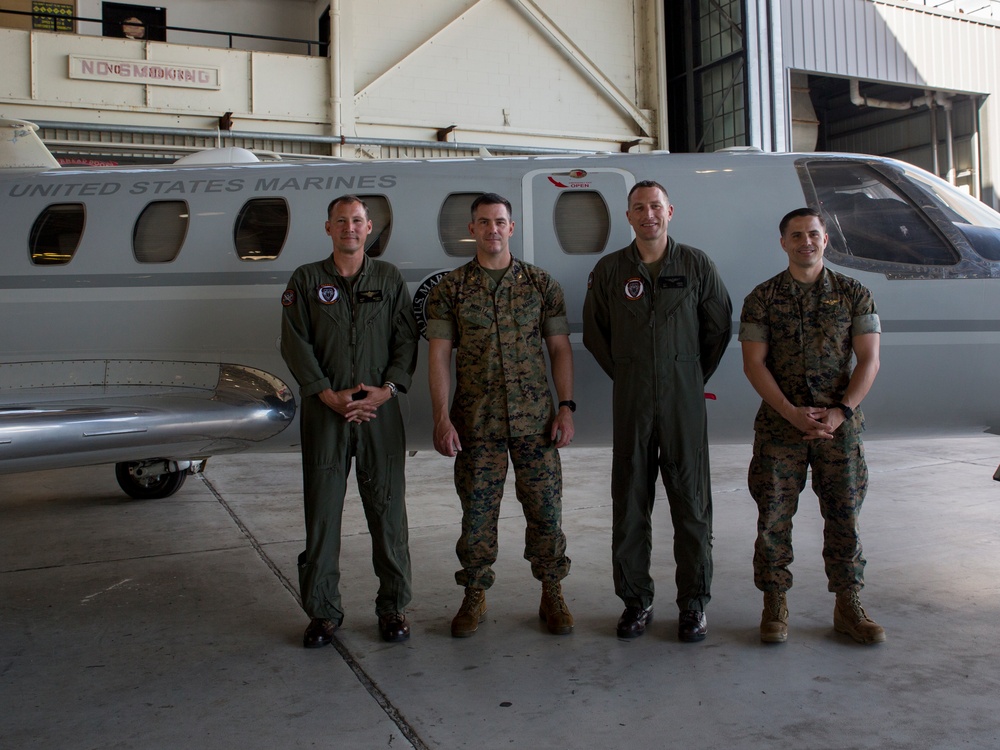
column 934, row 130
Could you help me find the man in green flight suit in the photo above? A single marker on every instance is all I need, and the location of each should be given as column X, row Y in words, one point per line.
column 497, row 310
column 350, row 339
column 657, row 318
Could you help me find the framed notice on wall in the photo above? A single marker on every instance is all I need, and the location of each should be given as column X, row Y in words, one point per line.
column 58, row 16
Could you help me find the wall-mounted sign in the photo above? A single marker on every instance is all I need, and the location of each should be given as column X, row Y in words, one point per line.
column 47, row 22
column 145, row 72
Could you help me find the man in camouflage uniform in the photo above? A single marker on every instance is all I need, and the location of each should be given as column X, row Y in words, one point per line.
column 496, row 311
column 799, row 331
column 347, row 326
column 658, row 318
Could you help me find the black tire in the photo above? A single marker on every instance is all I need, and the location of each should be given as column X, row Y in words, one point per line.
column 152, row 487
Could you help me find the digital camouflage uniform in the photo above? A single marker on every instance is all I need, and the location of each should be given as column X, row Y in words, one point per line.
column 333, row 336
column 502, row 405
column 659, row 341
column 809, row 336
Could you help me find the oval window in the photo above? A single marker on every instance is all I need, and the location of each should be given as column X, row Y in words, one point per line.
column 56, row 233
column 453, row 225
column 159, row 231
column 583, row 222
column 261, row 229
column 381, row 216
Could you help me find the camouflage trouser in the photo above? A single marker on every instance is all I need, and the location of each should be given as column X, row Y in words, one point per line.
column 480, row 472
column 840, row 481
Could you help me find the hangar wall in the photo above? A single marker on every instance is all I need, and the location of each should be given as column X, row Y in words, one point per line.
column 904, row 43
column 538, row 74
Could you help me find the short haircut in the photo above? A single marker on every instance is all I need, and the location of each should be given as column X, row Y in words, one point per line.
column 647, row 184
column 346, row 199
column 491, row 199
column 797, row 213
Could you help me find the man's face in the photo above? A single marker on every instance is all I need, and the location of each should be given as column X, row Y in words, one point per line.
column 348, row 227
column 492, row 229
column 648, row 213
column 804, row 241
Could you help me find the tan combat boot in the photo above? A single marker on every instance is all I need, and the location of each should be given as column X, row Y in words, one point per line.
column 774, row 618
column 470, row 614
column 553, row 609
column 850, row 618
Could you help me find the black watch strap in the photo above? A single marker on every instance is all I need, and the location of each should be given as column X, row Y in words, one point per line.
column 570, row 404
column 848, row 411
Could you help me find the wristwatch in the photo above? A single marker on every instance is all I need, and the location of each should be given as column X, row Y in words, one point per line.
column 848, row 411
column 570, row 404
column 392, row 388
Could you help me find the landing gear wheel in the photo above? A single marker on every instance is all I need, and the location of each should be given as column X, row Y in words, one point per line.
column 149, row 487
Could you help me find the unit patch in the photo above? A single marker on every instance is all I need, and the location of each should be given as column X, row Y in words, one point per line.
column 634, row 289
column 590, row 280
column 327, row 294
column 288, row 297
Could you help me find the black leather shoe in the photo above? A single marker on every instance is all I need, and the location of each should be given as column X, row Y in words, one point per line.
column 692, row 626
column 319, row 633
column 393, row 627
column 633, row 621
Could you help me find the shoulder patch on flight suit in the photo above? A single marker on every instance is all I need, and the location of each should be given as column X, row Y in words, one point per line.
column 327, row 294
column 288, row 297
column 370, row 295
column 634, row 289
column 590, row 280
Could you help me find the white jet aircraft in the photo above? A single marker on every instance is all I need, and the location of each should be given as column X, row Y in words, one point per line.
column 141, row 305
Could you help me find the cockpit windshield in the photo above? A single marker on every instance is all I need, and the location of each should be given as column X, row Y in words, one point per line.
column 892, row 218
column 961, row 207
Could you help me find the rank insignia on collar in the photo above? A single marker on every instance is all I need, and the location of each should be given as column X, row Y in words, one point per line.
column 327, row 294
column 288, row 297
column 370, row 295
column 634, row 289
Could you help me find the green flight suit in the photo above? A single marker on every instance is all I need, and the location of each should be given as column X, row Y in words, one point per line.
column 659, row 340
column 335, row 335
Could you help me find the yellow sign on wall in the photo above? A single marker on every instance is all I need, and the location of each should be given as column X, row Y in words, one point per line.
column 47, row 23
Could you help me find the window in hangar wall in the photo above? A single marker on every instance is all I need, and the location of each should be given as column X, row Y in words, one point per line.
column 706, row 75
column 130, row 21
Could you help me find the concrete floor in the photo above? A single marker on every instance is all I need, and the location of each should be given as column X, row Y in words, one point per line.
column 175, row 624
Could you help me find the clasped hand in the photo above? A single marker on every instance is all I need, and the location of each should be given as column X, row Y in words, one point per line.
column 352, row 405
column 817, row 422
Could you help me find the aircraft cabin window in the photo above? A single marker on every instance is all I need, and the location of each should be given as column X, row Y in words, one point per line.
column 869, row 219
column 381, row 215
column 56, row 234
column 453, row 225
column 583, row 222
column 159, row 231
column 261, row 229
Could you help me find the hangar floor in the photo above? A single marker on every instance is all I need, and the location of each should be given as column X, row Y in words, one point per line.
column 174, row 623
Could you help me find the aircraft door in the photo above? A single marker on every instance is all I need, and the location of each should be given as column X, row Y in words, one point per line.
column 571, row 218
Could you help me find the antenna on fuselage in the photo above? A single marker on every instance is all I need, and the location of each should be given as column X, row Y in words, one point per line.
column 21, row 148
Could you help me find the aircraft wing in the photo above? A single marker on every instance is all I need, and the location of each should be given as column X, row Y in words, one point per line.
column 68, row 413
